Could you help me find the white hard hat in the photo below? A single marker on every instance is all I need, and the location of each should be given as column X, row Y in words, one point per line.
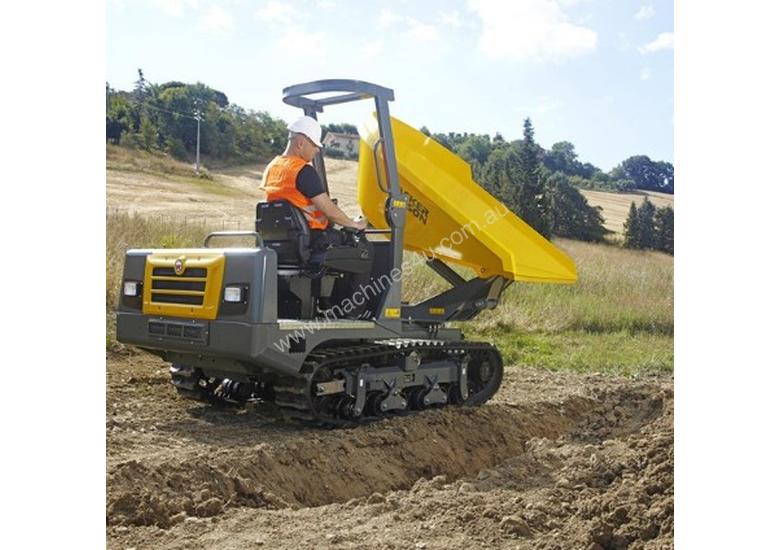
column 308, row 127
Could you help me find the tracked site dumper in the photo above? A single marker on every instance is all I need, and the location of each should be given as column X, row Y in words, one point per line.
column 266, row 322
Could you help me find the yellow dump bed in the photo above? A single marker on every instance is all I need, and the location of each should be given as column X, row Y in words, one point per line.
column 451, row 217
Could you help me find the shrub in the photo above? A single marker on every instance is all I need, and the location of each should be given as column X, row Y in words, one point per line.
column 175, row 147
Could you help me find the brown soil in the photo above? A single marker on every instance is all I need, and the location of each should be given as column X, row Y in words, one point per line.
column 554, row 461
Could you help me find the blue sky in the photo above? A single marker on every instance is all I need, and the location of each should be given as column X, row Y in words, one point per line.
column 598, row 73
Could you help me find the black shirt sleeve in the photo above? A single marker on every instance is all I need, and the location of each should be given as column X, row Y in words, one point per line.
column 308, row 182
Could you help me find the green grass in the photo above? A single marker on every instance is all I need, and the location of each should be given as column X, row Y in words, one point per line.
column 622, row 353
column 617, row 318
column 618, row 290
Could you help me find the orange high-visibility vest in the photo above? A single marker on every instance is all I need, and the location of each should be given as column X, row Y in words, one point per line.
column 279, row 182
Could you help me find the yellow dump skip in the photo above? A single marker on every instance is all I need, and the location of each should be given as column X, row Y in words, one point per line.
column 451, row 217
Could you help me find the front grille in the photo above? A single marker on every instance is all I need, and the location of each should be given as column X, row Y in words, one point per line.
column 200, row 286
column 193, row 294
column 193, row 332
column 182, row 289
column 169, row 272
column 161, row 298
column 188, row 288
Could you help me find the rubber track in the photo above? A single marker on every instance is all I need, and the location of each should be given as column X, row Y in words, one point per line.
column 293, row 393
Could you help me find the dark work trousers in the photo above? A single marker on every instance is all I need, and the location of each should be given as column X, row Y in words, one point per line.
column 350, row 283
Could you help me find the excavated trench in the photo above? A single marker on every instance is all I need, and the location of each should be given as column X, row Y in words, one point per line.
column 296, row 467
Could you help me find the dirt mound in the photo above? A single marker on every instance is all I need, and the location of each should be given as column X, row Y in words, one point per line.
column 557, row 461
column 333, row 466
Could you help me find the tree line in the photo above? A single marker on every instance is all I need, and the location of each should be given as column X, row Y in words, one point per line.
column 635, row 172
column 165, row 116
column 541, row 186
column 515, row 173
column 649, row 228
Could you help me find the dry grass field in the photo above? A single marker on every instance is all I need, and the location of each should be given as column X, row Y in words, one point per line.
column 155, row 185
column 615, row 205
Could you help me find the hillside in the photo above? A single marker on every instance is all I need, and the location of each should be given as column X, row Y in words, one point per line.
column 156, row 185
column 615, row 206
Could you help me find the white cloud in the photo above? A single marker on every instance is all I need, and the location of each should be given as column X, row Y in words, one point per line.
column 278, row 12
column 452, row 19
column 645, row 74
column 645, row 12
column 664, row 41
column 531, row 30
column 422, row 32
column 388, row 18
column 216, row 20
column 176, row 7
column 326, row 4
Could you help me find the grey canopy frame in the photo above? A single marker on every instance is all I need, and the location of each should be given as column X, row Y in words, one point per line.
column 346, row 91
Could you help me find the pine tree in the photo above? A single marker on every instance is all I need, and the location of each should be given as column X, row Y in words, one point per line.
column 646, row 221
column 528, row 180
column 148, row 134
column 664, row 223
column 570, row 214
column 141, row 87
column 631, row 228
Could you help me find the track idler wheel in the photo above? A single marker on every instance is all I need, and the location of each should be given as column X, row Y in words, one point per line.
column 190, row 383
column 485, row 373
column 344, row 408
column 417, row 398
column 237, row 393
column 373, row 404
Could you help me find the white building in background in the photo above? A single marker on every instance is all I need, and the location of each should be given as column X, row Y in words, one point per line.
column 346, row 143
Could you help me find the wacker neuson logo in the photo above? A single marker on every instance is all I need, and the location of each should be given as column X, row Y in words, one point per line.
column 178, row 266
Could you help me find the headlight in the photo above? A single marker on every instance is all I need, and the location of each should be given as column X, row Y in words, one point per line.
column 234, row 294
column 131, row 288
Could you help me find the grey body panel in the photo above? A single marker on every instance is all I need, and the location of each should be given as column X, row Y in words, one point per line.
column 246, row 348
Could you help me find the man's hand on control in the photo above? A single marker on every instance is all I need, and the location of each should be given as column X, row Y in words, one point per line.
column 359, row 224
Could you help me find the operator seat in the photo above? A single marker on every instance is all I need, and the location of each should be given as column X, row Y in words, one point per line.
column 310, row 280
column 284, row 229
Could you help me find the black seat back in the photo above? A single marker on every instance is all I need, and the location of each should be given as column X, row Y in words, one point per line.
column 284, row 229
